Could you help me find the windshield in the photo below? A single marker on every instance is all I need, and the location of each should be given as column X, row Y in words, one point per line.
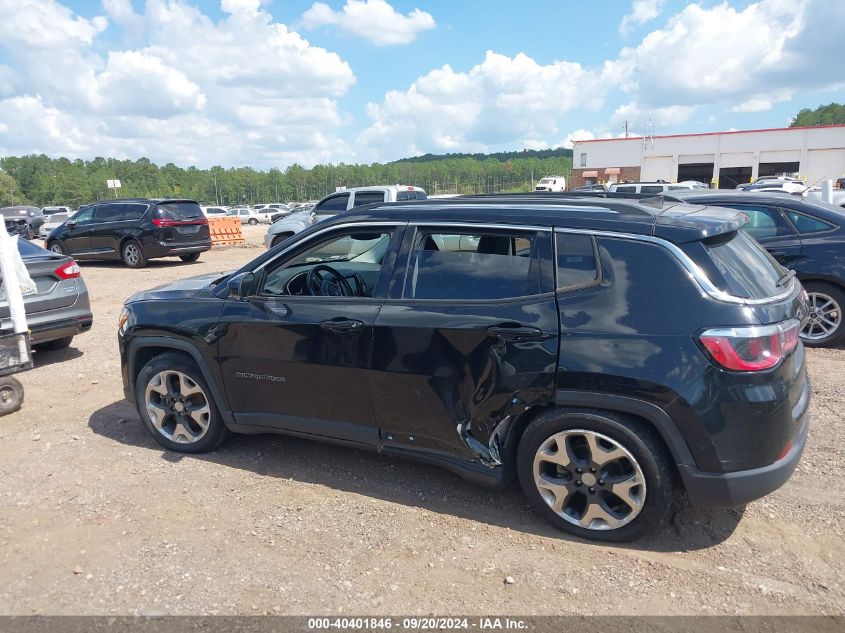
column 58, row 217
column 545, row 181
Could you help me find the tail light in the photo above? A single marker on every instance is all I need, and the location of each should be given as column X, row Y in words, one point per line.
column 163, row 222
column 70, row 270
column 751, row 348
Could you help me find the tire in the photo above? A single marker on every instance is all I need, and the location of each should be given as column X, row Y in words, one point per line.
column 56, row 247
column 132, row 255
column 174, row 430
column 11, row 395
column 280, row 238
column 191, row 257
column 252, row 222
column 826, row 326
column 53, row 346
column 641, row 468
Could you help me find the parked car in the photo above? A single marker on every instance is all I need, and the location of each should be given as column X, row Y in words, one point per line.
column 218, row 212
column 134, row 230
column 294, row 208
column 551, row 183
column 339, row 202
column 54, row 220
column 804, row 235
column 590, row 188
column 649, row 187
column 499, row 339
column 22, row 220
column 48, row 211
column 60, row 309
column 250, row 216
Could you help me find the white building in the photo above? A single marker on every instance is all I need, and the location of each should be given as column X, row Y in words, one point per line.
column 725, row 159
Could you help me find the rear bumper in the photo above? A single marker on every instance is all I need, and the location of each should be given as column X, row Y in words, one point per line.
column 166, row 249
column 52, row 329
column 723, row 490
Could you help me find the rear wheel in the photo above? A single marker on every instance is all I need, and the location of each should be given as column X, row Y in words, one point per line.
column 11, row 395
column 191, row 257
column 56, row 247
column 132, row 255
column 252, row 222
column 52, row 346
column 595, row 474
column 175, row 403
column 825, row 325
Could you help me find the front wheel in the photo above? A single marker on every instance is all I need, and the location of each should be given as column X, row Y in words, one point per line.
column 56, row 247
column 191, row 257
column 280, row 238
column 253, row 222
column 11, row 395
column 825, row 324
column 175, row 403
column 595, row 474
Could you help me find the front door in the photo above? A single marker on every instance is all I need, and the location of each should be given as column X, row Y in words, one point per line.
column 113, row 222
column 77, row 240
column 296, row 355
column 467, row 338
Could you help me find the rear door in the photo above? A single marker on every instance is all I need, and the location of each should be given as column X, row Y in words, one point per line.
column 469, row 333
column 113, row 222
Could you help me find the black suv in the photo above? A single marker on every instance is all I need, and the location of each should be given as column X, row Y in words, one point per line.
column 134, row 230
column 603, row 355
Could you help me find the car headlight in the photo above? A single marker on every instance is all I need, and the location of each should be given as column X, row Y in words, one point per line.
column 122, row 320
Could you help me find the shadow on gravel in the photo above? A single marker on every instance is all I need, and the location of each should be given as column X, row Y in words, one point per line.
column 402, row 481
column 44, row 359
column 153, row 263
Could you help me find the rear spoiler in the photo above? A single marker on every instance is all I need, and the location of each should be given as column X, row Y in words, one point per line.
column 707, row 221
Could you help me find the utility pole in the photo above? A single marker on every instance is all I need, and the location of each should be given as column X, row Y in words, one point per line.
column 626, row 128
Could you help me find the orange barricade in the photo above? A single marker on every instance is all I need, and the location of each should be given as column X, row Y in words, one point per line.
column 225, row 231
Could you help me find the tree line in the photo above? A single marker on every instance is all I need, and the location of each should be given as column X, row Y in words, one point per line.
column 830, row 114
column 43, row 181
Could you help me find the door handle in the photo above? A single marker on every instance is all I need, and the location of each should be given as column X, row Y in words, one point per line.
column 516, row 332
column 342, row 326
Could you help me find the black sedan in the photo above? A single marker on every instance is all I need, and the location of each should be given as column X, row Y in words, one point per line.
column 803, row 234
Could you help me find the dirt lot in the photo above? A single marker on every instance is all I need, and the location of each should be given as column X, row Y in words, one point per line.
column 96, row 519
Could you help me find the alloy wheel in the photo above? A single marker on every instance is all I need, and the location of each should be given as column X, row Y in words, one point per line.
column 589, row 479
column 132, row 254
column 825, row 317
column 177, row 406
column 56, row 248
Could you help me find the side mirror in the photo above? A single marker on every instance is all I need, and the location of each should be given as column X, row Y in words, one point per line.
column 70, row 224
column 241, row 286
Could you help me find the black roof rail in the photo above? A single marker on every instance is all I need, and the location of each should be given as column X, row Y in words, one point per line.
column 633, row 207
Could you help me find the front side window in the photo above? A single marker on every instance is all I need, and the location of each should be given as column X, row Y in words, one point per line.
column 472, row 266
column 332, row 206
column 355, row 256
column 83, row 216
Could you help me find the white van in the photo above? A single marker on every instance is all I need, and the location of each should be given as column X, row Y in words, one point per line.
column 551, row 183
column 649, row 187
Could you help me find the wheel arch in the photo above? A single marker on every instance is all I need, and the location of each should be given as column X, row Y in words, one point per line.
column 142, row 350
column 650, row 414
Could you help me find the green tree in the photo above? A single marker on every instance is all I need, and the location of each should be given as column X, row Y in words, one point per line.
column 9, row 191
column 830, row 114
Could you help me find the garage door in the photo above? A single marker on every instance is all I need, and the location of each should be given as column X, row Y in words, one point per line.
column 657, row 168
column 824, row 163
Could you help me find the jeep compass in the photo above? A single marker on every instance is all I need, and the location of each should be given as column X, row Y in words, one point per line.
column 603, row 355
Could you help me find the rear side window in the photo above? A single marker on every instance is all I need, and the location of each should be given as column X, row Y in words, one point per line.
column 576, row 260
column 626, row 189
column 651, row 189
column 367, row 197
column 129, row 212
column 747, row 270
column 472, row 266
column 107, row 213
column 806, row 224
column 179, row 211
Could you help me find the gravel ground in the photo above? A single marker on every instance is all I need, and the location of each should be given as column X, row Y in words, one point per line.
column 95, row 518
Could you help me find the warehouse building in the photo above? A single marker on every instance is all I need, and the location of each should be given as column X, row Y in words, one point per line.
column 722, row 159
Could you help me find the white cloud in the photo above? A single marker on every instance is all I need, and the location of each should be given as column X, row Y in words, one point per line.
column 642, row 11
column 243, row 89
column 577, row 135
column 501, row 102
column 374, row 20
column 638, row 118
column 763, row 103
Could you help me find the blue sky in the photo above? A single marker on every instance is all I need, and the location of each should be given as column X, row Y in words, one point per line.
column 269, row 83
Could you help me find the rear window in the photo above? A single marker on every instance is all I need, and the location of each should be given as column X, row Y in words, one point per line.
column 180, row 211
column 28, row 249
column 745, row 268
